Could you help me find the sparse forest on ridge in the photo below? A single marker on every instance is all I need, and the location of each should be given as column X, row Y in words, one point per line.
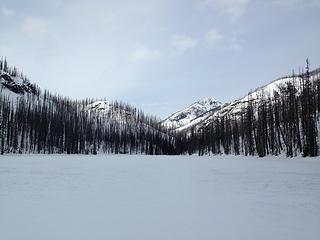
column 275, row 119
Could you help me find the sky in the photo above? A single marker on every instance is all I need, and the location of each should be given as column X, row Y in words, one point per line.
column 159, row 55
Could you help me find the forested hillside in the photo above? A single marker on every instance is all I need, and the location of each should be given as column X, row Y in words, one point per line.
column 40, row 122
column 282, row 117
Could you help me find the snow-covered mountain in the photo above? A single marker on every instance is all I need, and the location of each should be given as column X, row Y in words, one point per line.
column 123, row 113
column 11, row 84
column 188, row 118
column 265, row 92
column 115, row 110
column 192, row 115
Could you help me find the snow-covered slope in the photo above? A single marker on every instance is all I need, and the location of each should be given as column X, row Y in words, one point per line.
column 101, row 106
column 113, row 110
column 14, row 85
column 235, row 107
column 192, row 114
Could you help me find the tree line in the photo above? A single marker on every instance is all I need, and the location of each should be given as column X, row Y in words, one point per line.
column 286, row 122
column 54, row 124
column 42, row 122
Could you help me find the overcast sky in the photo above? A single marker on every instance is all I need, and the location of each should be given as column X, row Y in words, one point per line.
column 160, row 55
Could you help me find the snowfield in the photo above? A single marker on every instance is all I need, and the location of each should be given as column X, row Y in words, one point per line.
column 158, row 198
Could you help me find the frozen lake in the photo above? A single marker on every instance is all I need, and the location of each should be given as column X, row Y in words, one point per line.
column 158, row 198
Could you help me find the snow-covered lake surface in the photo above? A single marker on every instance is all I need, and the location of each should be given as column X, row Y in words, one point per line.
column 149, row 198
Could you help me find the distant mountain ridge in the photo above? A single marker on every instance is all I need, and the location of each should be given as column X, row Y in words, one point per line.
column 189, row 115
column 265, row 92
column 189, row 118
column 282, row 116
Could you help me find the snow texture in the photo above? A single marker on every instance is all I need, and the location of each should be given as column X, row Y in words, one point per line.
column 193, row 114
column 191, row 117
column 14, row 85
column 158, row 197
column 100, row 106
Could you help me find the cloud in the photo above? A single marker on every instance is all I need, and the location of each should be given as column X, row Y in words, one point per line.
column 6, row 11
column 212, row 38
column 35, row 27
column 184, row 43
column 235, row 8
column 144, row 53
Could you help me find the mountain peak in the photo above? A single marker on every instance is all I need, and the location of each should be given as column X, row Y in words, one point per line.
column 199, row 109
column 209, row 102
